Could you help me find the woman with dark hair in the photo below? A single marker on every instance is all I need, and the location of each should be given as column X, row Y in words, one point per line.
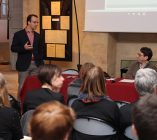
column 10, row 128
column 52, row 80
column 93, row 102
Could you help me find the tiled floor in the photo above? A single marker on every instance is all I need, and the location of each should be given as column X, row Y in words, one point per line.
column 11, row 77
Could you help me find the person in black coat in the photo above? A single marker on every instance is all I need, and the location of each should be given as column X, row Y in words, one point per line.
column 10, row 127
column 52, row 80
column 93, row 102
column 29, row 48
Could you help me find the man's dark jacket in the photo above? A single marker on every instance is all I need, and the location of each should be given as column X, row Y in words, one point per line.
column 25, row 56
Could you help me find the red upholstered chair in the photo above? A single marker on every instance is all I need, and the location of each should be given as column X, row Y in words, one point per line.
column 68, row 78
column 31, row 82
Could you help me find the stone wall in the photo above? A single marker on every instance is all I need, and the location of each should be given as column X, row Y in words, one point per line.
column 103, row 49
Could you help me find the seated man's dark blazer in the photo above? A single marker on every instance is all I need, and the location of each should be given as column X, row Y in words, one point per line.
column 25, row 56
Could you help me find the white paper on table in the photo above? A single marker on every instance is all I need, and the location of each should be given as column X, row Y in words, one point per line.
column 127, row 80
column 111, row 79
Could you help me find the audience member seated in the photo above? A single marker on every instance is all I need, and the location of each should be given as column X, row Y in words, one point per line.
column 145, row 118
column 93, row 102
column 51, row 80
column 10, row 128
column 145, row 83
column 52, row 121
column 143, row 61
column 74, row 87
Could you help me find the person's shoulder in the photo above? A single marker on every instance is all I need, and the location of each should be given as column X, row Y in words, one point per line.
column 19, row 34
column 151, row 65
column 109, row 102
column 20, row 31
column 36, row 33
column 34, row 92
column 134, row 63
column 58, row 95
column 77, row 103
column 8, row 110
column 132, row 66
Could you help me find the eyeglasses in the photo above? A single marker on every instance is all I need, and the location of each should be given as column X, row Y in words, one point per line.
column 139, row 54
column 35, row 22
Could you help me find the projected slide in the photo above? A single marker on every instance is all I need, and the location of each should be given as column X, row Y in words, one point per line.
column 121, row 16
column 123, row 5
column 131, row 5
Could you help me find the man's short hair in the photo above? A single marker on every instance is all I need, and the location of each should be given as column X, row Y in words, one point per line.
column 145, row 81
column 147, row 52
column 29, row 17
column 145, row 117
column 51, row 120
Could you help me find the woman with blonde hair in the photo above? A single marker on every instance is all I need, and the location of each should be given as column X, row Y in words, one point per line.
column 10, row 128
column 3, row 92
column 93, row 102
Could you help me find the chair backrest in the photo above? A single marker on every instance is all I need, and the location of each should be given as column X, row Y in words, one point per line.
column 71, row 100
column 121, row 103
column 128, row 133
column 127, row 114
column 93, row 126
column 31, row 82
column 25, row 121
column 70, row 71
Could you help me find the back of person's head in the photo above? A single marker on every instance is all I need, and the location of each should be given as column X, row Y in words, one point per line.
column 47, row 72
column 146, row 81
column 94, row 83
column 147, row 52
column 145, row 117
column 52, row 120
column 4, row 101
column 84, row 69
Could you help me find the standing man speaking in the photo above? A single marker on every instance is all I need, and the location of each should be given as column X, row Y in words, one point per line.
column 29, row 48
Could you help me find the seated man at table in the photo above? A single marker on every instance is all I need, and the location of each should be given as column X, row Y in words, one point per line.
column 145, row 83
column 143, row 61
column 145, row 118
